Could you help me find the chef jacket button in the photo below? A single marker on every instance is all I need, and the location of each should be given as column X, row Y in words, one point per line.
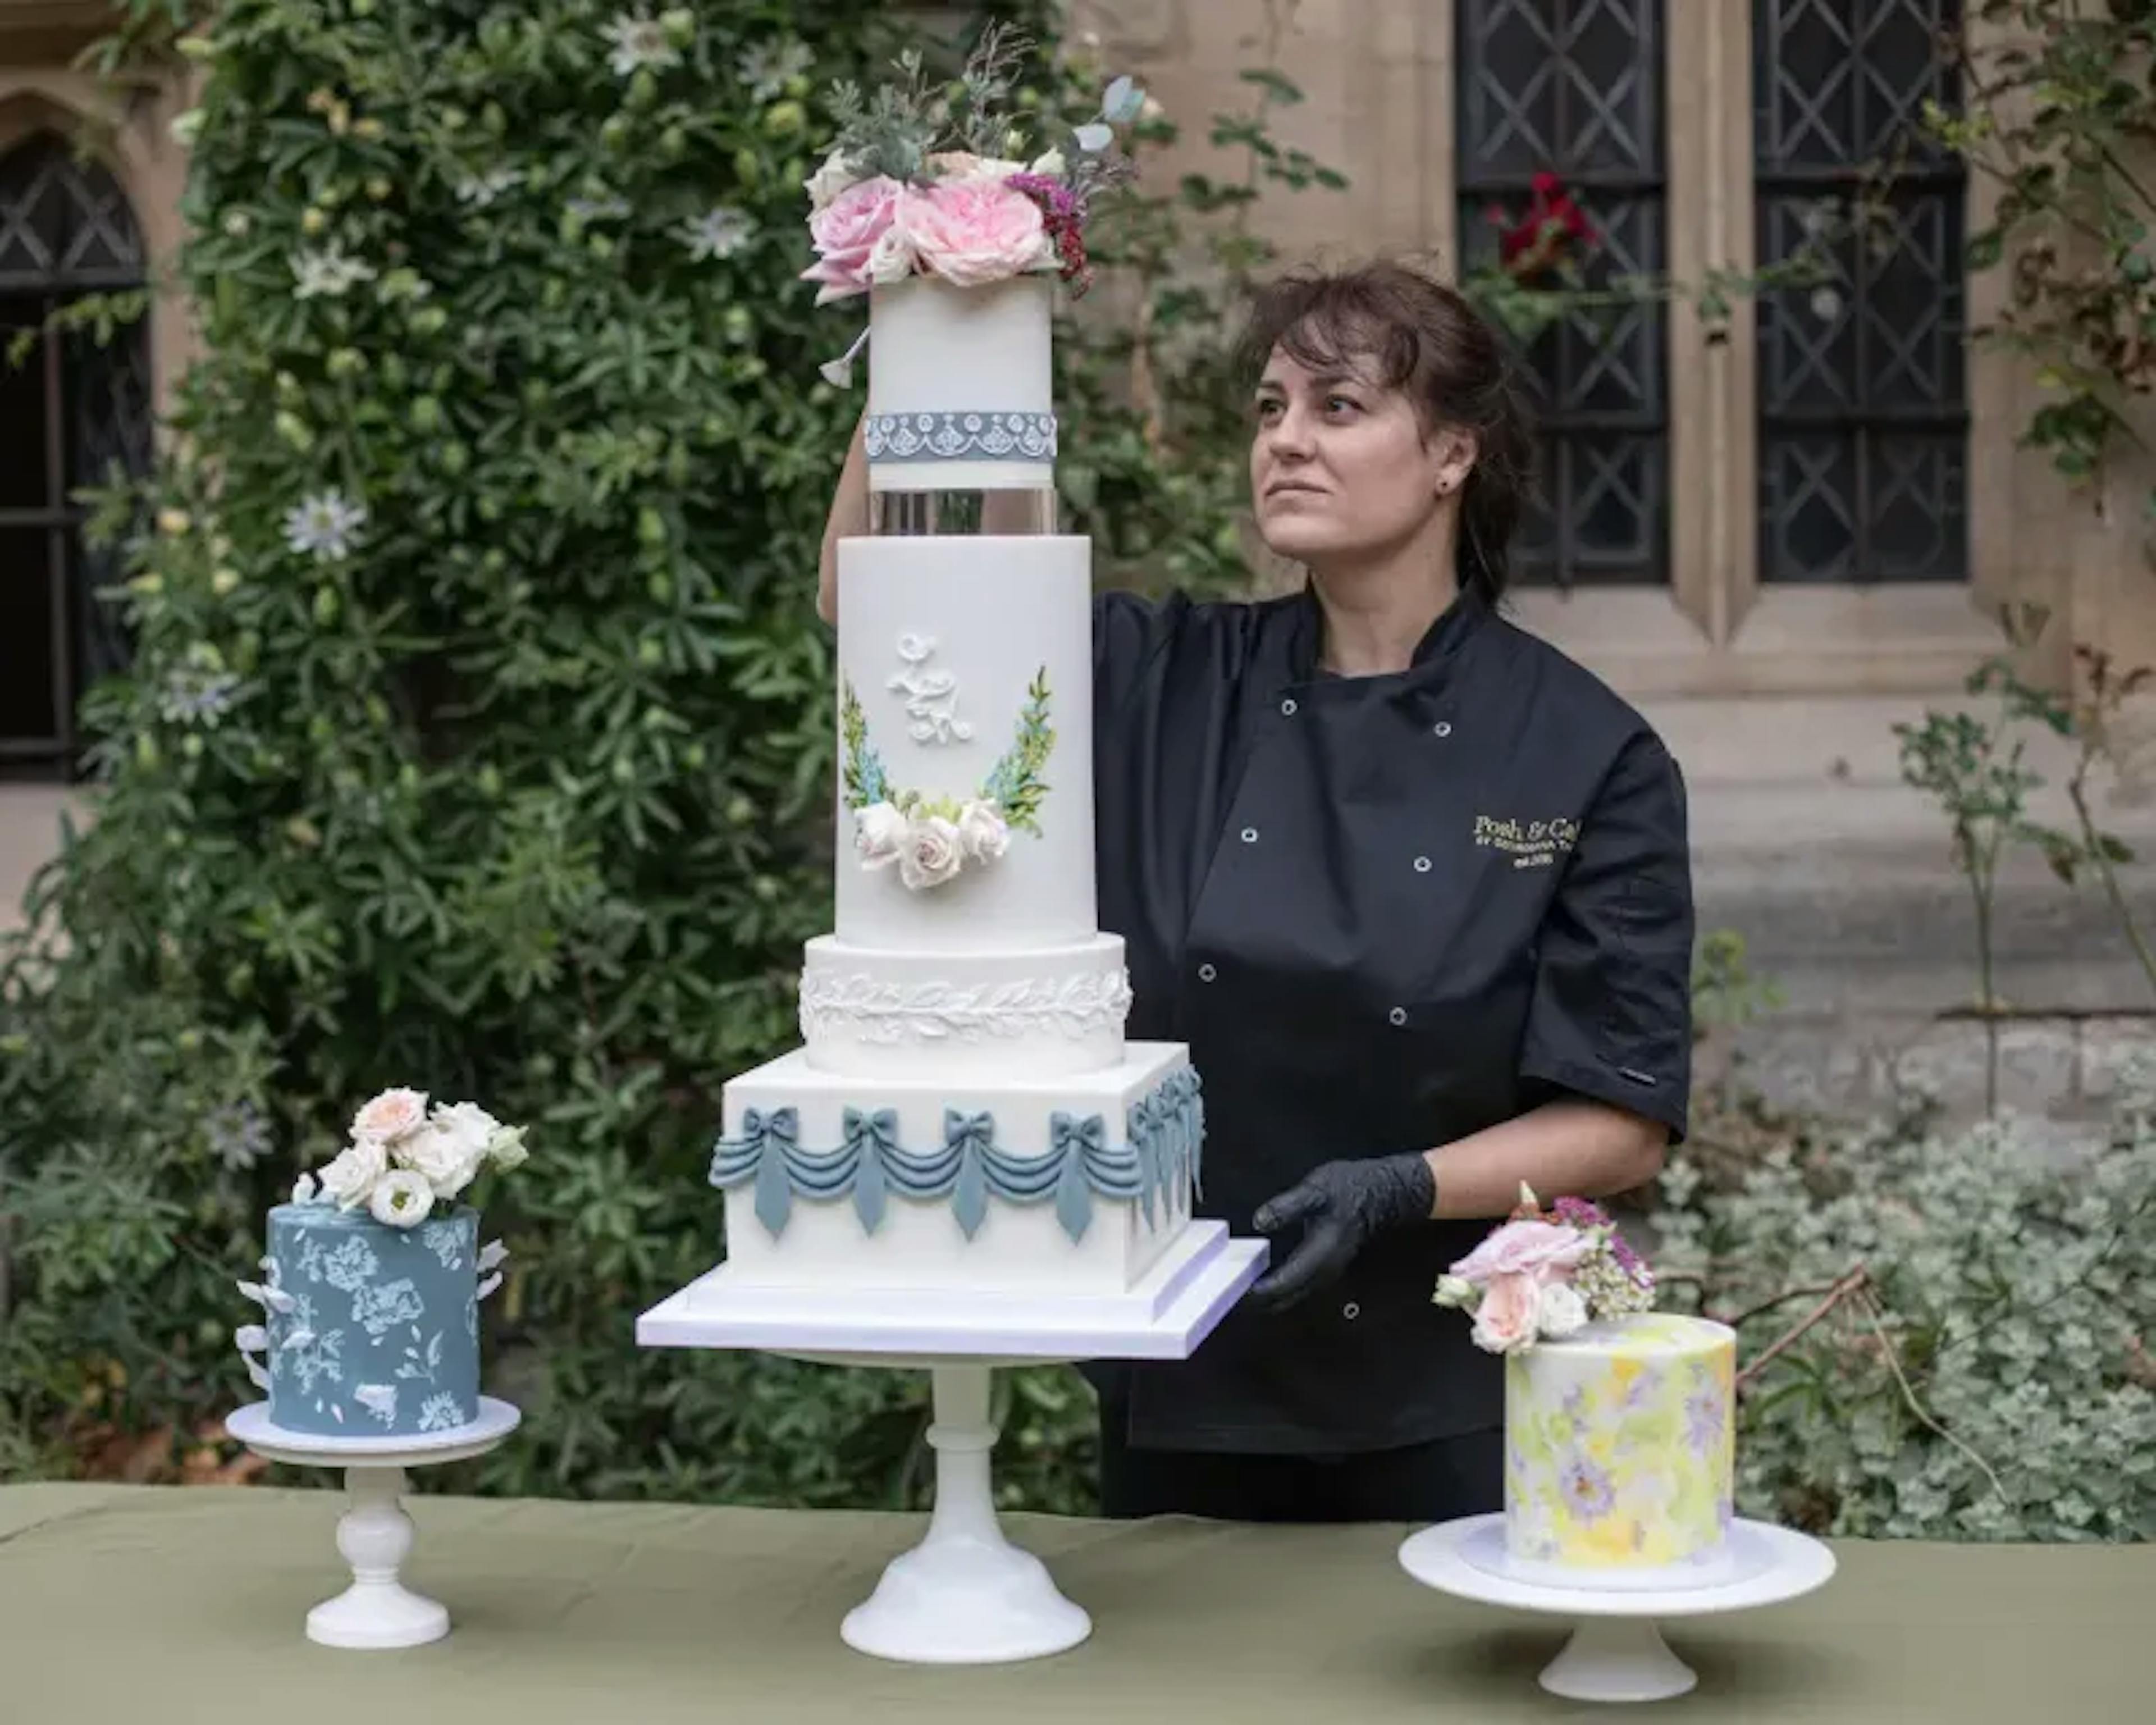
column 1249, row 835
column 1422, row 865
column 1399, row 1014
column 1443, row 727
column 1351, row 1311
column 1206, row 973
column 1287, row 708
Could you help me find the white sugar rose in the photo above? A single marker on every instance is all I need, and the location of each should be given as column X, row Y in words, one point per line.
column 402, row 1201
column 348, row 1181
column 444, row 1155
column 390, row 1116
column 829, row 180
column 1560, row 1310
column 933, row 852
column 879, row 834
column 982, row 832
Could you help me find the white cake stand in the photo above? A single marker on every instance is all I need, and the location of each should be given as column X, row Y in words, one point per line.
column 374, row 1534
column 965, row 1594
column 1616, row 1653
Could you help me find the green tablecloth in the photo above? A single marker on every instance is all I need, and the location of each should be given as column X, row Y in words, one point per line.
column 149, row 1605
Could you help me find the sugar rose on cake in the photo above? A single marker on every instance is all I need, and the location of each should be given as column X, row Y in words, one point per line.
column 971, row 190
column 1546, row 1275
column 375, row 1272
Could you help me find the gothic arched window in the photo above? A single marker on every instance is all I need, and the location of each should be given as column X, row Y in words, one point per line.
column 70, row 412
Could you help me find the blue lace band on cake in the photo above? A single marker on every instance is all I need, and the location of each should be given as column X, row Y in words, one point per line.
column 960, row 437
column 1164, row 1134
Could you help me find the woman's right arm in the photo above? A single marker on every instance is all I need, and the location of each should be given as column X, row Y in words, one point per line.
column 848, row 519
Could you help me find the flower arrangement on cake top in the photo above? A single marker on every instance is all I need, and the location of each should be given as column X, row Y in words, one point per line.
column 403, row 1158
column 1547, row 1274
column 927, row 181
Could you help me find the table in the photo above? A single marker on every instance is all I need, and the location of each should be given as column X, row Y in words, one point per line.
column 180, row 1603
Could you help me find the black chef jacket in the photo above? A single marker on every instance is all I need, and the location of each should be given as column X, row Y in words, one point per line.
column 1383, row 912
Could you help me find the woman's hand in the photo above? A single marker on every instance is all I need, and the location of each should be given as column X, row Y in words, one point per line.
column 1339, row 1207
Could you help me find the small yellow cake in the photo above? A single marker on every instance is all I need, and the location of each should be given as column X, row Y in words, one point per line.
column 1619, row 1449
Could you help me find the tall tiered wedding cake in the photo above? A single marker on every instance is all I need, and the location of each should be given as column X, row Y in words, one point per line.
column 964, row 1115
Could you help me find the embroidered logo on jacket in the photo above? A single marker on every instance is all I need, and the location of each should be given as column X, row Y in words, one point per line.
column 1531, row 844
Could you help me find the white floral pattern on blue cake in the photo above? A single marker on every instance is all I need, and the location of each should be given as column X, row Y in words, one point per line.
column 375, row 1331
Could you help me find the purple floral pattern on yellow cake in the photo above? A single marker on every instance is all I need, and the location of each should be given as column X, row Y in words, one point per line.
column 1618, row 1446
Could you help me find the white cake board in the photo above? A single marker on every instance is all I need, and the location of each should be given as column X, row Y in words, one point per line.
column 374, row 1534
column 1616, row 1653
column 965, row 1594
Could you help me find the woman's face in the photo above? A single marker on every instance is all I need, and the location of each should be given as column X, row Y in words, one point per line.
column 1340, row 469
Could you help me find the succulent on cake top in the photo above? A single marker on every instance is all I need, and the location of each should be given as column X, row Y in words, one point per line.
column 404, row 1158
column 1546, row 1275
column 928, row 179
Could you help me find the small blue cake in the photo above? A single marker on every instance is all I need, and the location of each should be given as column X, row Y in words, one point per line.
column 373, row 1330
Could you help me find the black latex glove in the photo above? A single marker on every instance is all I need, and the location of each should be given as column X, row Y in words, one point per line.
column 1339, row 1207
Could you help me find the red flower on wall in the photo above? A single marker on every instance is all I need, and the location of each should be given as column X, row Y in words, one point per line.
column 1530, row 245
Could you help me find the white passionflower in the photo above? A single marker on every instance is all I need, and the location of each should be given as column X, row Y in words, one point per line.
column 483, row 189
column 328, row 272
column 324, row 525
column 639, row 41
column 718, row 233
column 766, row 71
column 401, row 1199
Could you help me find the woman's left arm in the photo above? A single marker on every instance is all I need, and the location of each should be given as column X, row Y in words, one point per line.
column 1606, row 1060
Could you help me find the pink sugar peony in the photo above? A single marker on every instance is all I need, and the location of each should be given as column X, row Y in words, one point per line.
column 1540, row 1249
column 1504, row 1318
column 974, row 231
column 861, row 236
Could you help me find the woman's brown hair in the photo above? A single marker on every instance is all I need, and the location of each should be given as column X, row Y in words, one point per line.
column 1416, row 334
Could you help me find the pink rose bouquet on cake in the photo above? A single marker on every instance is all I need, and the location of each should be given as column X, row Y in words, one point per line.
column 922, row 182
column 1547, row 1274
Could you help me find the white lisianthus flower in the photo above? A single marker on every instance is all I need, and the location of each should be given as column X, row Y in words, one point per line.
column 390, row 1116
column 879, row 832
column 506, row 1148
column 982, row 831
column 401, row 1199
column 349, row 1180
column 1454, row 1291
column 1561, row 1311
column 933, row 852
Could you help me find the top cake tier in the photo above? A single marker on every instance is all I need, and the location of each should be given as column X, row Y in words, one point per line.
column 961, row 390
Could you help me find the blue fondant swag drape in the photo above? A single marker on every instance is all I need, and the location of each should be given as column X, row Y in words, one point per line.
column 1163, row 1138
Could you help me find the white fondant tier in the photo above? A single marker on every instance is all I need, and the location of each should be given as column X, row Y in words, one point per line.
column 966, row 677
column 1620, row 1450
column 960, row 385
column 1041, row 1012
column 1070, row 1186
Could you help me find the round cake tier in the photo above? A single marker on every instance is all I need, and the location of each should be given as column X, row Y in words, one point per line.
column 373, row 1330
column 961, row 393
column 966, row 743
column 1046, row 1013
column 1620, row 1450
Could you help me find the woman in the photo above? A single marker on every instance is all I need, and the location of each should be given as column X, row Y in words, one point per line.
column 1413, row 886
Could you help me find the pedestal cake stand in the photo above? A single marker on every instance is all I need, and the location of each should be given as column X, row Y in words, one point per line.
column 965, row 1594
column 1616, row 1653
column 374, row 1534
